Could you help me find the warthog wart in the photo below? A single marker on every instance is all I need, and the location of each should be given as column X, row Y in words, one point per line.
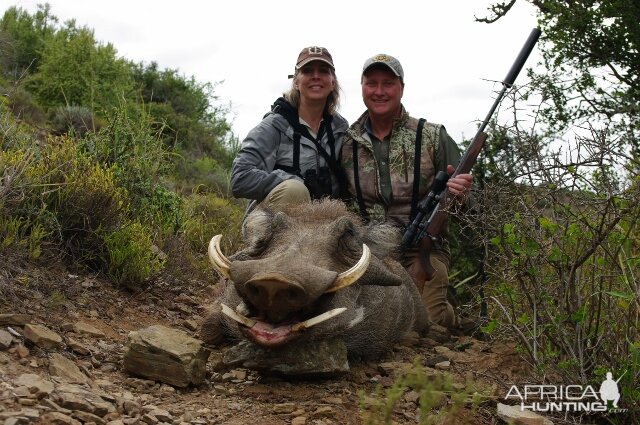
column 313, row 271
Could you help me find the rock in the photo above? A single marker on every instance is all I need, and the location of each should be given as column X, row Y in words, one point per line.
column 186, row 299
column 14, row 319
column 21, row 351
column 86, row 417
column 166, row 355
column 75, row 397
column 284, row 408
column 325, row 357
column 443, row 351
column 190, row 324
column 432, row 361
column 323, row 412
column 394, row 369
column 162, row 415
column 77, row 347
column 57, row 418
column 85, row 328
column 299, row 420
column 5, row 339
column 412, row 396
column 42, row 336
column 517, row 416
column 66, row 370
column 35, row 383
column 46, row 402
column 445, row 365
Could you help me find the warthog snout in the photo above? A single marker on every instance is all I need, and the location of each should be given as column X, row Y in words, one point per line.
column 275, row 298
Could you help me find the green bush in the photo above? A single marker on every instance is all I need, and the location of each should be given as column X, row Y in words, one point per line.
column 74, row 120
column 439, row 399
column 23, row 105
column 131, row 258
column 208, row 215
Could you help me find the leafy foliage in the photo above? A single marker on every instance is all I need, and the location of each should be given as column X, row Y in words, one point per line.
column 131, row 259
column 591, row 54
column 75, row 120
column 559, row 219
column 77, row 71
column 439, row 399
column 561, row 256
column 184, row 113
column 22, row 39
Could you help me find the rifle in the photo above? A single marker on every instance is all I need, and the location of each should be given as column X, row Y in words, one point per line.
column 431, row 212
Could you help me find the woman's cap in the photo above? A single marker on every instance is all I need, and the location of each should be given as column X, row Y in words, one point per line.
column 389, row 61
column 314, row 53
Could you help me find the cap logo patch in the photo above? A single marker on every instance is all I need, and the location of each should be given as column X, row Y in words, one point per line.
column 315, row 50
column 381, row 58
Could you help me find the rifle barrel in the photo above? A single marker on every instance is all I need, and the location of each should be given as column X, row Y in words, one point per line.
column 436, row 217
column 513, row 73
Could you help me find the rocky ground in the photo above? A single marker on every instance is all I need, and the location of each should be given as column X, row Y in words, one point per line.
column 63, row 338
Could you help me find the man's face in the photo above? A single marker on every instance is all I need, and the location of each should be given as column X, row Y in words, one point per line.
column 382, row 92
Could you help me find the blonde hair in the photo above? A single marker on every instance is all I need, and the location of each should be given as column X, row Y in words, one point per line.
column 333, row 100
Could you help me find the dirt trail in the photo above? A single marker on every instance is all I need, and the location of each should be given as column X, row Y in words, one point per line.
column 57, row 300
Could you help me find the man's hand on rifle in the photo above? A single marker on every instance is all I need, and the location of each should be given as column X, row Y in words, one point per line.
column 460, row 185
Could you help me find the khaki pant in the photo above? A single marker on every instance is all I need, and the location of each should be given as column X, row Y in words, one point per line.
column 434, row 291
column 290, row 191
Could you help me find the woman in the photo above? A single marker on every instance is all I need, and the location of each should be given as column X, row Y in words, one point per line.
column 292, row 156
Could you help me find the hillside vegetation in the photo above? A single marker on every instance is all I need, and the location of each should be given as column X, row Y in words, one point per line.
column 105, row 163
column 121, row 169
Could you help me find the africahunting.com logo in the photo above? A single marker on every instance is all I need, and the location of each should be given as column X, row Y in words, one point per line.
column 569, row 398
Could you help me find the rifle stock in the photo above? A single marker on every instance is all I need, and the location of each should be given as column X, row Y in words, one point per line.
column 428, row 225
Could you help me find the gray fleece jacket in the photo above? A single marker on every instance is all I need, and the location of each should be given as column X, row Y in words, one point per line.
column 270, row 144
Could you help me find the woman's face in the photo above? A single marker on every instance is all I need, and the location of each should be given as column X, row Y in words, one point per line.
column 315, row 81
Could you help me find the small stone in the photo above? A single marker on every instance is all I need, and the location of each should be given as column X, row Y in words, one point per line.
column 88, row 329
column 42, row 336
column 5, row 339
column 443, row 365
column 284, row 408
column 14, row 319
column 21, row 351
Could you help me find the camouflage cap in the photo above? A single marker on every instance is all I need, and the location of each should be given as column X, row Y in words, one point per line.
column 314, row 53
column 389, row 61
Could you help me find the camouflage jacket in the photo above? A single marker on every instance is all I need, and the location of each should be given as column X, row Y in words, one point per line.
column 438, row 149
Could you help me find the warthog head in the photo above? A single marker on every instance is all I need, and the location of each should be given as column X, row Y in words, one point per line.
column 313, row 271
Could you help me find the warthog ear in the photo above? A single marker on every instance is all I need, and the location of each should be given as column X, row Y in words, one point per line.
column 383, row 273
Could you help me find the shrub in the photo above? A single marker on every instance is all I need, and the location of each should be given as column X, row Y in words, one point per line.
column 131, row 259
column 208, row 215
column 73, row 120
column 439, row 401
column 23, row 106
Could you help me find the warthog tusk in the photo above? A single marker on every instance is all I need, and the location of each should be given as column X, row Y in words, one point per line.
column 237, row 317
column 318, row 319
column 297, row 327
column 218, row 260
column 242, row 308
column 349, row 277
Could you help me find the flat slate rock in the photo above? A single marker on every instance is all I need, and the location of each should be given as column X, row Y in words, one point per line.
column 325, row 357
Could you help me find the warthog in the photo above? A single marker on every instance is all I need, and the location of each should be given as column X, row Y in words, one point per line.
column 313, row 271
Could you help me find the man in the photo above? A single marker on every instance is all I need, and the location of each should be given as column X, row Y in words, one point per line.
column 381, row 174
